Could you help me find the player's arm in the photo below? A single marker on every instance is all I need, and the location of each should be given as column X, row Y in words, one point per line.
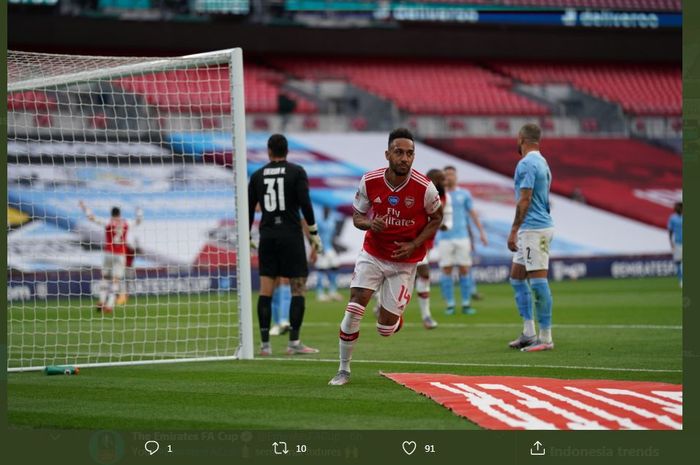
column 447, row 215
column 520, row 212
column 433, row 208
column 360, row 209
column 669, row 226
column 307, row 211
column 313, row 256
column 252, row 201
column 89, row 215
column 139, row 216
column 406, row 249
column 482, row 233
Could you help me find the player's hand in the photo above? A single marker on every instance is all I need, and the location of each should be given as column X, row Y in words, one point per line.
column 404, row 249
column 313, row 256
column 378, row 223
column 513, row 241
column 315, row 239
column 484, row 239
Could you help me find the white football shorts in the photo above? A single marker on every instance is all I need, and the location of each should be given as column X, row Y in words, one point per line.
column 327, row 260
column 394, row 280
column 533, row 248
column 677, row 252
column 455, row 252
column 113, row 265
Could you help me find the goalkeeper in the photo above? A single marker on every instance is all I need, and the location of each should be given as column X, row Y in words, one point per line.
column 282, row 189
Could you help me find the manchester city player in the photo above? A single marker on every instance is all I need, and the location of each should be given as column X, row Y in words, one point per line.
column 529, row 238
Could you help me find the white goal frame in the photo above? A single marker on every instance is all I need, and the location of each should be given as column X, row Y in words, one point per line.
column 234, row 59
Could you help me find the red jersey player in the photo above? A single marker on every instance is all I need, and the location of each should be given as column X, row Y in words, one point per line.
column 401, row 210
column 115, row 254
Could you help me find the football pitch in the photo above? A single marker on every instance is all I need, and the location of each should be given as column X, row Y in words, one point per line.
column 603, row 329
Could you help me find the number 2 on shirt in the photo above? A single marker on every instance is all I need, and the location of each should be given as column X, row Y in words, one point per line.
column 274, row 197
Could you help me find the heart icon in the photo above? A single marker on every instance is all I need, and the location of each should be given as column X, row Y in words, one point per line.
column 409, row 447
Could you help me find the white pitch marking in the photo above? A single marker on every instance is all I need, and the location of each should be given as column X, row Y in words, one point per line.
column 519, row 325
column 466, row 364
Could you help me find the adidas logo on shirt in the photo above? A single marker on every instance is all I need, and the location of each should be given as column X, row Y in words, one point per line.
column 377, row 200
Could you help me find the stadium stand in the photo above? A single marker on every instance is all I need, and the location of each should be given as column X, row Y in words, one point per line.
column 639, row 89
column 623, row 176
column 262, row 87
column 422, row 87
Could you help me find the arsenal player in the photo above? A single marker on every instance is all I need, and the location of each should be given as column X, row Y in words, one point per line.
column 115, row 252
column 401, row 210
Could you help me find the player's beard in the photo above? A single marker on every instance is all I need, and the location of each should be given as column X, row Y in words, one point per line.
column 399, row 169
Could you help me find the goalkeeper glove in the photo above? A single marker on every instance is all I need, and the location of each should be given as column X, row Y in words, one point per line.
column 315, row 239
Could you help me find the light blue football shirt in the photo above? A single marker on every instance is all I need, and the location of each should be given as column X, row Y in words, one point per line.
column 675, row 225
column 533, row 173
column 462, row 204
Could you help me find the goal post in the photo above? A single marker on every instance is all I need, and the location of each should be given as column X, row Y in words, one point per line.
column 87, row 134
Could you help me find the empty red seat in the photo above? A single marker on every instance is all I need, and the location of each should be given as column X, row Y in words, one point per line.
column 423, row 86
column 641, row 89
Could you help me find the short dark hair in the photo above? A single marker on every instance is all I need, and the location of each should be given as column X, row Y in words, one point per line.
column 277, row 144
column 432, row 172
column 449, row 167
column 400, row 133
column 531, row 133
column 116, row 212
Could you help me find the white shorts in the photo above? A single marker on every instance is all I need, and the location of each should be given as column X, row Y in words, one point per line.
column 327, row 260
column 393, row 279
column 677, row 252
column 533, row 248
column 113, row 266
column 455, row 252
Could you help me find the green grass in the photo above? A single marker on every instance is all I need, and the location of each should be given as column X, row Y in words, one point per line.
column 606, row 329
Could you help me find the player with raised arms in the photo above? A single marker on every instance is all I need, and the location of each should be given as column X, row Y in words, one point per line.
column 529, row 239
column 401, row 210
column 115, row 254
column 282, row 189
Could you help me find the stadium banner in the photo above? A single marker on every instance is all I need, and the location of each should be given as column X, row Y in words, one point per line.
column 188, row 209
column 216, row 272
column 520, row 403
column 444, row 12
column 22, row 287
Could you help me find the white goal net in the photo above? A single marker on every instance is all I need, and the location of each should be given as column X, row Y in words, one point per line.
column 127, row 223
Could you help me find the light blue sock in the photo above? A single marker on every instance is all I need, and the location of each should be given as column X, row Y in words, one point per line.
column 543, row 301
column 276, row 306
column 447, row 288
column 523, row 298
column 473, row 281
column 285, row 301
column 465, row 288
column 319, row 282
column 332, row 281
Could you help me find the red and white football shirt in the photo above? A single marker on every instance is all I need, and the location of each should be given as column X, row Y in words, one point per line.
column 407, row 208
column 115, row 236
